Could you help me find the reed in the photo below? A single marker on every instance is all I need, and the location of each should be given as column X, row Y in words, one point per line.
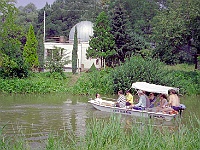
column 120, row 133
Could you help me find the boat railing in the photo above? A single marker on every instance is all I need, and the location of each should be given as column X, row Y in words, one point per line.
column 107, row 98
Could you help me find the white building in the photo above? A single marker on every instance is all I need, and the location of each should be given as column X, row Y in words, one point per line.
column 84, row 30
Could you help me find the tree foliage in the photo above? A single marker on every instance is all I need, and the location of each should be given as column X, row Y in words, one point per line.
column 27, row 16
column 30, row 50
column 119, row 28
column 74, row 52
column 11, row 43
column 57, row 59
column 101, row 44
column 175, row 31
column 62, row 15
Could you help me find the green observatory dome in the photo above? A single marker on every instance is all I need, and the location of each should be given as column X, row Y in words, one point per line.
column 84, row 31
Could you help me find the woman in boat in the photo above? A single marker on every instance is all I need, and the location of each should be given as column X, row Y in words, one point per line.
column 129, row 98
column 152, row 100
column 141, row 105
column 121, row 101
column 163, row 103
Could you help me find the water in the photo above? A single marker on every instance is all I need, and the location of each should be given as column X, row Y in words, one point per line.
column 35, row 116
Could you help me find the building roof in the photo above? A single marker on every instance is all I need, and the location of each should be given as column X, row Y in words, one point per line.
column 84, row 31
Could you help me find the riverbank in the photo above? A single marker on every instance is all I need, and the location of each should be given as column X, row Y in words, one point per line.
column 107, row 81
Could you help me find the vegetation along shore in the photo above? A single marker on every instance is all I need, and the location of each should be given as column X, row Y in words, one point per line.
column 132, row 40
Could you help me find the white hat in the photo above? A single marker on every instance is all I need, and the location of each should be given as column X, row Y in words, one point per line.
column 139, row 92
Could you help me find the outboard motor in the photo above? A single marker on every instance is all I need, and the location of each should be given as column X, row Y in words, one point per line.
column 181, row 108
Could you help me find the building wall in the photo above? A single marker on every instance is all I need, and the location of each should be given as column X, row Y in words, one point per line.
column 82, row 62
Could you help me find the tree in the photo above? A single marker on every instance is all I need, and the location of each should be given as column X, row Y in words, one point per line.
column 175, row 31
column 27, row 15
column 57, row 59
column 11, row 43
column 30, row 50
column 101, row 44
column 74, row 52
column 141, row 13
column 119, row 28
column 62, row 15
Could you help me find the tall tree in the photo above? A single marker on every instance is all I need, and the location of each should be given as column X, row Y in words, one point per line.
column 30, row 50
column 74, row 52
column 141, row 13
column 11, row 43
column 62, row 15
column 176, row 31
column 27, row 15
column 102, row 42
column 119, row 28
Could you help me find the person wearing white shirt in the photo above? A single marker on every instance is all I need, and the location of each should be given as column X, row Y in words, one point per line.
column 98, row 98
column 142, row 101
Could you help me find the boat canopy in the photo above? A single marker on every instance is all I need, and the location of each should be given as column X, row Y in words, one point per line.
column 144, row 86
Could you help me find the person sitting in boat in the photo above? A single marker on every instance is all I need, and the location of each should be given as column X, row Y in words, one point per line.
column 141, row 105
column 98, row 98
column 121, row 101
column 163, row 103
column 129, row 98
column 152, row 100
column 174, row 102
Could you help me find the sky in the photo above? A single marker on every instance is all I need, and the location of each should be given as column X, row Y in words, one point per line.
column 38, row 3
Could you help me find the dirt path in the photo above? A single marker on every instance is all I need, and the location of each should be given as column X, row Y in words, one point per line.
column 73, row 79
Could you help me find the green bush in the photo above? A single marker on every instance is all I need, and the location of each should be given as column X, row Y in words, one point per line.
column 94, row 82
column 37, row 83
column 153, row 71
column 137, row 69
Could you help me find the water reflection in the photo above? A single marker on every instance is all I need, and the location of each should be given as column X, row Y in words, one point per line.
column 35, row 116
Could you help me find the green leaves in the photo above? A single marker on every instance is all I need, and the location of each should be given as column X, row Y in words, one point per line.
column 74, row 52
column 56, row 60
column 172, row 30
column 10, row 43
column 30, row 49
column 102, row 42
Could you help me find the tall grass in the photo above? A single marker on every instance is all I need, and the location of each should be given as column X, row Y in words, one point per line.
column 114, row 134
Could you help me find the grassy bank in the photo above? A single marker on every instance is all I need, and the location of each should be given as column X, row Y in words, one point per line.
column 115, row 133
column 109, row 80
column 36, row 83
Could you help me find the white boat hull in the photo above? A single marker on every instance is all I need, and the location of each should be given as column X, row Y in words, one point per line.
column 131, row 112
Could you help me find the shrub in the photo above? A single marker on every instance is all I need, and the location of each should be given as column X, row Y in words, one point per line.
column 94, row 82
column 137, row 69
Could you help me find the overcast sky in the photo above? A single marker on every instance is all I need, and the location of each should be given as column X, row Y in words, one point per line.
column 38, row 3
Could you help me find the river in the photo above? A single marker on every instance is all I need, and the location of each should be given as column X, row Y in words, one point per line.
column 35, row 116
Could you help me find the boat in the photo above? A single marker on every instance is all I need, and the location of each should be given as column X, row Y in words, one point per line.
column 107, row 105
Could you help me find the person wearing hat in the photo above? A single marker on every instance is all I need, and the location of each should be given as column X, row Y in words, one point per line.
column 142, row 101
column 129, row 98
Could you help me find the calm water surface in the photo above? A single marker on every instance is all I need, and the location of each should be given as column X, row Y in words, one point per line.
column 35, row 116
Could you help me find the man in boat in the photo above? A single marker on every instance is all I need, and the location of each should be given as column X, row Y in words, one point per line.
column 141, row 105
column 121, row 101
column 129, row 98
column 174, row 102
